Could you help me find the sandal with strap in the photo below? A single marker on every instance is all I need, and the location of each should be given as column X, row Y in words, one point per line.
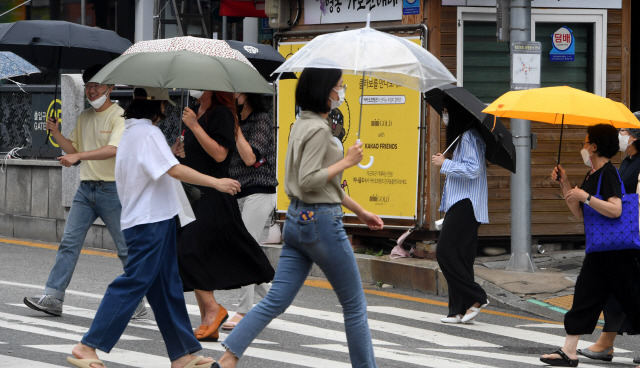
column 564, row 360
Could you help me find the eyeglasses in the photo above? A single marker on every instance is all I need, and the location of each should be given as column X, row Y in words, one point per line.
column 90, row 86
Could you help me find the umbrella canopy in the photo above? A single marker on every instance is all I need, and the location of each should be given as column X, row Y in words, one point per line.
column 500, row 149
column 375, row 54
column 59, row 44
column 183, row 69
column 12, row 65
column 562, row 105
column 263, row 57
column 204, row 46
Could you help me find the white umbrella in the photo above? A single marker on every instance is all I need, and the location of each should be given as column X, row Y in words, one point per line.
column 375, row 54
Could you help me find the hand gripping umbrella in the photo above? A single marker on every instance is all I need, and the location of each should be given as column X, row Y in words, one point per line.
column 372, row 53
column 58, row 44
column 562, row 105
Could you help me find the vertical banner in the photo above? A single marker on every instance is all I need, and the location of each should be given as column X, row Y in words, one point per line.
column 390, row 133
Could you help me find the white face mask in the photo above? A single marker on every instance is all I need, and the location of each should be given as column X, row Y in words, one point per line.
column 623, row 140
column 336, row 104
column 195, row 93
column 445, row 119
column 97, row 103
column 585, row 157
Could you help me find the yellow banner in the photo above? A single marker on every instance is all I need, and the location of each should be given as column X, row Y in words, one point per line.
column 390, row 133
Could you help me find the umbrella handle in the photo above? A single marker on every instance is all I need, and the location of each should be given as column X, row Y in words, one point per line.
column 364, row 167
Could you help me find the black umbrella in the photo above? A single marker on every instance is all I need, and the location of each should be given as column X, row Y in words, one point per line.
column 263, row 57
column 58, row 44
column 500, row 148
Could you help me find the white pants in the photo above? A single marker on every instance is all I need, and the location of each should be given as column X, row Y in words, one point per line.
column 255, row 210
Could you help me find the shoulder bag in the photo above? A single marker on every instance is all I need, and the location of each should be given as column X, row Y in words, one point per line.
column 604, row 233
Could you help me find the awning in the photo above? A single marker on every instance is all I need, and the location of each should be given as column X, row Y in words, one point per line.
column 242, row 8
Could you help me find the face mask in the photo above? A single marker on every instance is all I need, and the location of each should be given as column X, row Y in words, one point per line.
column 585, row 157
column 623, row 140
column 195, row 93
column 96, row 104
column 445, row 119
column 336, row 104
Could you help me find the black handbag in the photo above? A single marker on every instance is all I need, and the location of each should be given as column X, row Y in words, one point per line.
column 193, row 193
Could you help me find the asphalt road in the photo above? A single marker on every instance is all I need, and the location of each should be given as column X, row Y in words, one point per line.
column 404, row 324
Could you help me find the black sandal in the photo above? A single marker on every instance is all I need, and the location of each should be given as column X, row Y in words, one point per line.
column 565, row 361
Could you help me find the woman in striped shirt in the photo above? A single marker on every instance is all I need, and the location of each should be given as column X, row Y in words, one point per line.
column 464, row 200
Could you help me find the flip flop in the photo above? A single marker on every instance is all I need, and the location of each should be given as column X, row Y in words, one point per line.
column 84, row 363
column 194, row 363
column 564, row 360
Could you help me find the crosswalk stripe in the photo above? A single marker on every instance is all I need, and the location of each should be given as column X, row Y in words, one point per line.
column 505, row 331
column 506, row 357
column 421, row 334
column 13, row 362
column 410, row 357
column 90, row 314
column 296, row 328
column 283, row 357
column 119, row 356
column 29, row 324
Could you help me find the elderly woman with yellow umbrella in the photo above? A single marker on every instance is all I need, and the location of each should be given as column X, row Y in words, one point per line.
column 604, row 273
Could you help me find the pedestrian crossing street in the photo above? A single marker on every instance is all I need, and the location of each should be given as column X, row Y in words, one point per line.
column 301, row 337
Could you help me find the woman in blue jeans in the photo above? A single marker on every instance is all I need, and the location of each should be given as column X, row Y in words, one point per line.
column 313, row 231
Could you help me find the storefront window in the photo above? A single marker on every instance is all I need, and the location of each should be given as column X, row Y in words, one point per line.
column 484, row 63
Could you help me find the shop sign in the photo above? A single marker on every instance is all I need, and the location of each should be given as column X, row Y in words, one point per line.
column 564, row 46
column 350, row 11
column 410, row 7
column 390, row 133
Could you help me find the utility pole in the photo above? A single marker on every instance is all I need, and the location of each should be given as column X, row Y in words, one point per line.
column 520, row 30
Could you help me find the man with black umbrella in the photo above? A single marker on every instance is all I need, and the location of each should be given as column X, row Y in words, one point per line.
column 93, row 142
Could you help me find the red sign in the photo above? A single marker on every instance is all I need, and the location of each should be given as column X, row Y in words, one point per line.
column 242, row 8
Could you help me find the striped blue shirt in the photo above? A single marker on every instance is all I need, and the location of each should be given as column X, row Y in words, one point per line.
column 467, row 176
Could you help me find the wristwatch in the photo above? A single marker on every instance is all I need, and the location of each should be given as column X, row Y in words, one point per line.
column 587, row 200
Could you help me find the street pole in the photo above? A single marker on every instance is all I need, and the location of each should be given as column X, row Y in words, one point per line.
column 520, row 30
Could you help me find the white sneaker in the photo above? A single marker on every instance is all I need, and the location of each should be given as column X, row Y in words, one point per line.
column 455, row 319
column 474, row 312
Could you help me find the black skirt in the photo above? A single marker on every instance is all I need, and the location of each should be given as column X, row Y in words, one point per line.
column 216, row 252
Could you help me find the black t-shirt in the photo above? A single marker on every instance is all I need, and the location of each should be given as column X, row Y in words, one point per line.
column 610, row 186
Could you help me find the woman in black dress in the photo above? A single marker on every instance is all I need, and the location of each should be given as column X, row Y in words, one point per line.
column 215, row 252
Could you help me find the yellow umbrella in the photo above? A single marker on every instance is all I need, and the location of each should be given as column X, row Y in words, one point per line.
column 562, row 105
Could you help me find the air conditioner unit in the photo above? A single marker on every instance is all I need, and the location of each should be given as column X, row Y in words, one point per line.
column 279, row 13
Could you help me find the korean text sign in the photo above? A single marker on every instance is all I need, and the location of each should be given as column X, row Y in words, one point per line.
column 390, row 133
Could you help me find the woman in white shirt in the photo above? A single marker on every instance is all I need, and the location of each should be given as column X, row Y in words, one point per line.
column 146, row 170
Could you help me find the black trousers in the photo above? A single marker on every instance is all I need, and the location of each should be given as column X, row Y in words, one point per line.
column 456, row 253
column 604, row 274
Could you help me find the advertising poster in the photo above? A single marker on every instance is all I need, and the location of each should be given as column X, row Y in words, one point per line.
column 390, row 132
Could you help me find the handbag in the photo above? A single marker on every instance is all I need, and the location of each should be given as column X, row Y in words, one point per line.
column 604, row 233
column 193, row 193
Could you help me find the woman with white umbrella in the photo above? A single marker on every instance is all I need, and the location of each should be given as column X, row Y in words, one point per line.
column 313, row 231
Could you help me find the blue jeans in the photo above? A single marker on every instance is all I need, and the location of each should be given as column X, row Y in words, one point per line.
column 322, row 241
column 93, row 199
column 152, row 270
